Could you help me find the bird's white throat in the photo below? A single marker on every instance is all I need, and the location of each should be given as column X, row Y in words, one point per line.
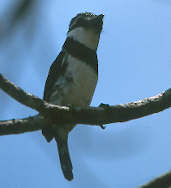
column 85, row 36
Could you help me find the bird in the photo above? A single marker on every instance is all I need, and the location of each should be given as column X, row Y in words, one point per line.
column 72, row 78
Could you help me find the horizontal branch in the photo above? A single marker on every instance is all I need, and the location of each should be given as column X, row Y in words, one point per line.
column 18, row 126
column 104, row 114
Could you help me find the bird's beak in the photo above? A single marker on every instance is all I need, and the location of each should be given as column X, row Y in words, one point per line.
column 97, row 23
column 100, row 17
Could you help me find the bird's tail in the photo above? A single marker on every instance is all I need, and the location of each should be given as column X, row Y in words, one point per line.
column 66, row 164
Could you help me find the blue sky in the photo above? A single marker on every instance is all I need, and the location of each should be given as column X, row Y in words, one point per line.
column 134, row 63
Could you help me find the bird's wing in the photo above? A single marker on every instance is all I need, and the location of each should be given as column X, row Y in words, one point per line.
column 56, row 70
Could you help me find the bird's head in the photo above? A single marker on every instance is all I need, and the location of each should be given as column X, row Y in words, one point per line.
column 86, row 28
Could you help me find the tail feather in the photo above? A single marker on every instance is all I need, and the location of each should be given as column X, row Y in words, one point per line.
column 65, row 161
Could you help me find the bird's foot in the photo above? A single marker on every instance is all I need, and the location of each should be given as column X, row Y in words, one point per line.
column 105, row 107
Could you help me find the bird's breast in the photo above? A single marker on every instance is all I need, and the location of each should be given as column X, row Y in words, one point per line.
column 80, row 83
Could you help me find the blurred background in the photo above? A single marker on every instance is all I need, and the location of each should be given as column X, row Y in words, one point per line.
column 134, row 63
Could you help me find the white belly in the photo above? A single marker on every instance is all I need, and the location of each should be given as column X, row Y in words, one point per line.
column 77, row 86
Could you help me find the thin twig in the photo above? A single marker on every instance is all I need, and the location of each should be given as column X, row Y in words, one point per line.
column 163, row 181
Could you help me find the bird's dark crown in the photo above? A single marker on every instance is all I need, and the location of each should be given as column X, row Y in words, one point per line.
column 87, row 20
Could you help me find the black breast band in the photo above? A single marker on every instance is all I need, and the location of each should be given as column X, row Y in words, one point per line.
column 80, row 51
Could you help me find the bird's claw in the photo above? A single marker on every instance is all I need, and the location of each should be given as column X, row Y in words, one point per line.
column 102, row 126
column 104, row 106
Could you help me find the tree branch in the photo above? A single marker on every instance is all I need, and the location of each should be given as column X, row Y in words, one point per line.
column 17, row 126
column 104, row 114
column 163, row 181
